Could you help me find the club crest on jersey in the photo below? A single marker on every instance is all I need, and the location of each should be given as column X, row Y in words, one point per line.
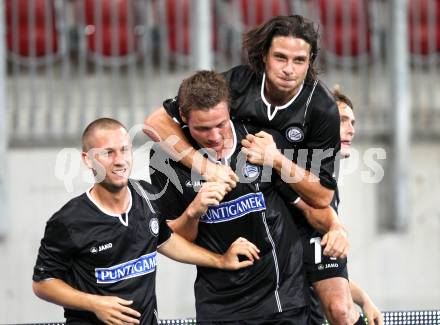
column 154, row 226
column 131, row 269
column 234, row 209
column 294, row 134
column 250, row 170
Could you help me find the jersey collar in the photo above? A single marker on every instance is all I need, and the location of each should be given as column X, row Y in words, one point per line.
column 124, row 221
column 270, row 115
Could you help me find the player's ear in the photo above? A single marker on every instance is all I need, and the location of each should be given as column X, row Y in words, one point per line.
column 183, row 117
column 86, row 159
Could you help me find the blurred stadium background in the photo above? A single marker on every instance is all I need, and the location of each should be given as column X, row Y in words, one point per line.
column 64, row 63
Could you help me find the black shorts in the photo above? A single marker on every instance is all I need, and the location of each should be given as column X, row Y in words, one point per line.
column 318, row 266
column 297, row 316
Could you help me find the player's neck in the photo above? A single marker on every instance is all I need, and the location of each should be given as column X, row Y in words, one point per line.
column 276, row 97
column 115, row 202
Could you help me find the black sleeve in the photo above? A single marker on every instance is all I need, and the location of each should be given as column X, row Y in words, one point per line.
column 171, row 106
column 239, row 79
column 335, row 201
column 164, row 231
column 167, row 184
column 324, row 142
column 55, row 252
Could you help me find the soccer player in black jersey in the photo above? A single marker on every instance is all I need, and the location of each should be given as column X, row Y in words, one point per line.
column 318, row 264
column 273, row 290
column 98, row 254
column 278, row 88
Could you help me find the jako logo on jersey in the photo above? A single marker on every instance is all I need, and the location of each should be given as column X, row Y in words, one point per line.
column 294, row 134
column 190, row 183
column 154, row 226
column 104, row 247
column 250, row 170
column 93, row 250
column 234, row 209
column 322, row 267
column 140, row 266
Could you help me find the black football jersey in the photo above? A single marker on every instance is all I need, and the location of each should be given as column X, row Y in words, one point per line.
column 254, row 210
column 309, row 121
column 102, row 253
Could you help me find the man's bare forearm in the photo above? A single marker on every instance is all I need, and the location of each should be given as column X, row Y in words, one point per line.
column 320, row 219
column 186, row 225
column 306, row 184
column 160, row 127
column 58, row 292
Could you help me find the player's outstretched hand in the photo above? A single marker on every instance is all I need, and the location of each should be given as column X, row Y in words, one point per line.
column 260, row 149
column 220, row 174
column 210, row 194
column 336, row 242
column 230, row 260
column 114, row 310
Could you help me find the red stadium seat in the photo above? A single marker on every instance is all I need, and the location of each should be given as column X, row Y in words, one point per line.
column 254, row 11
column 421, row 29
column 28, row 34
column 174, row 27
column 110, row 31
column 179, row 25
column 345, row 38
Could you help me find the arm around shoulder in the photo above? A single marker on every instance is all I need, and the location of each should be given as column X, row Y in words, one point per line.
column 159, row 125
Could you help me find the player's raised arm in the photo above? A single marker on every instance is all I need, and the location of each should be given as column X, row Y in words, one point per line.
column 187, row 225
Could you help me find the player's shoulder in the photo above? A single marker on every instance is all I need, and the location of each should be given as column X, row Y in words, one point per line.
column 239, row 78
column 72, row 211
column 322, row 99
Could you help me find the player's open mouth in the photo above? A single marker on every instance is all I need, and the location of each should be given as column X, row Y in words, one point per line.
column 120, row 172
column 346, row 142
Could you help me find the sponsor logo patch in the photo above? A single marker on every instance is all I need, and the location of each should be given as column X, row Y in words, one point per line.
column 234, row 209
column 134, row 268
column 294, row 134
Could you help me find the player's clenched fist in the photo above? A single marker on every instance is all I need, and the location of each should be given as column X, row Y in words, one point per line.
column 210, row 194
